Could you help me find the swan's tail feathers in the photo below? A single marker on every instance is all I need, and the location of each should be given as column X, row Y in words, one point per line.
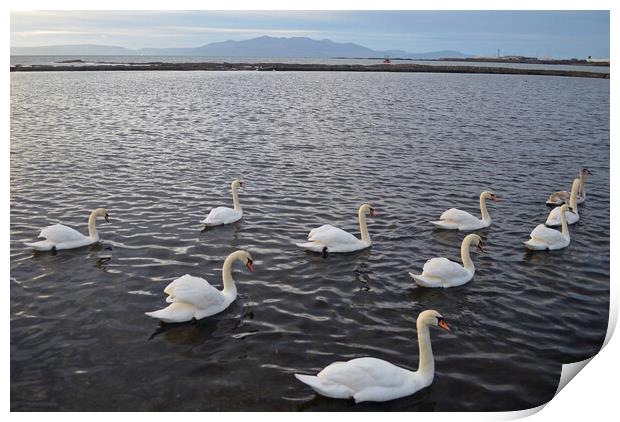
column 211, row 223
column 325, row 388
column 175, row 312
column 443, row 224
column 535, row 245
column 426, row 282
column 416, row 277
column 43, row 245
column 312, row 246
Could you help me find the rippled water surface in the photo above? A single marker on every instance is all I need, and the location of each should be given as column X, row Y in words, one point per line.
column 158, row 149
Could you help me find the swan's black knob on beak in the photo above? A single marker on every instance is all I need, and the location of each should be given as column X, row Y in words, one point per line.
column 106, row 217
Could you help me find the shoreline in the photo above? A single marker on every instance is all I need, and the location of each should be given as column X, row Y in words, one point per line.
column 526, row 60
column 288, row 67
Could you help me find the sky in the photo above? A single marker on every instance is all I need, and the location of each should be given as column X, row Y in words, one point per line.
column 558, row 34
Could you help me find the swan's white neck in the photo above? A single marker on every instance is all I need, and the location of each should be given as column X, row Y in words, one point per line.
column 565, row 231
column 363, row 228
column 483, row 210
column 573, row 196
column 467, row 262
column 235, row 196
column 230, row 289
column 426, row 367
column 582, row 185
column 92, row 227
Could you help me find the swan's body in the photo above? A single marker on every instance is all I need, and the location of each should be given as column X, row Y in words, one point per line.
column 572, row 216
column 224, row 215
column 58, row 236
column 563, row 197
column 441, row 272
column 331, row 239
column 194, row 298
column 542, row 237
column 371, row 379
column 455, row 219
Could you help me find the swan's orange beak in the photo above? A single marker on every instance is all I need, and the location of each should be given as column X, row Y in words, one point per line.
column 372, row 212
column 250, row 265
column 480, row 247
column 443, row 325
column 493, row 198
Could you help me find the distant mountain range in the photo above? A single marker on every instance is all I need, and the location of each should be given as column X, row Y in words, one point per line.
column 256, row 47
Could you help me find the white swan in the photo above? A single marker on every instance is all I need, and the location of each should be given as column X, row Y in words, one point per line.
column 332, row 239
column 572, row 216
column 542, row 237
column 371, row 379
column 59, row 236
column 563, row 197
column 441, row 272
column 193, row 297
column 456, row 219
column 225, row 215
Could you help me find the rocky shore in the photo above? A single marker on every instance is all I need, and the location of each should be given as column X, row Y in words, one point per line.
column 287, row 67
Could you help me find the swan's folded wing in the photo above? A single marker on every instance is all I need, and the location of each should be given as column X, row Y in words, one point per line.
column 554, row 216
column 319, row 229
column 59, row 233
column 331, row 236
column 558, row 197
column 458, row 216
column 546, row 235
column 221, row 214
column 443, row 268
column 195, row 291
column 361, row 373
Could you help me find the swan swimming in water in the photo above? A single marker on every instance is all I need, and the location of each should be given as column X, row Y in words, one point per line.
column 441, row 272
column 329, row 239
column 572, row 216
column 454, row 218
column 194, row 298
column 371, row 379
column 563, row 197
column 542, row 237
column 59, row 236
column 224, row 215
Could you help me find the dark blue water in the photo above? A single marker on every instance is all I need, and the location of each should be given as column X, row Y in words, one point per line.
column 158, row 149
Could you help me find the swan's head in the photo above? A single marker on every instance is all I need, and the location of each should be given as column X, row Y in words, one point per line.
column 368, row 209
column 475, row 240
column 433, row 318
column 236, row 184
column 565, row 208
column 246, row 258
column 585, row 171
column 489, row 195
column 101, row 212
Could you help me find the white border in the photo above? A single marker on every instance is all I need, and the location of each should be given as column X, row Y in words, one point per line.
column 591, row 394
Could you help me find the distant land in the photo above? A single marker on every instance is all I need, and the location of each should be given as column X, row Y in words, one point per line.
column 264, row 46
column 299, row 67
